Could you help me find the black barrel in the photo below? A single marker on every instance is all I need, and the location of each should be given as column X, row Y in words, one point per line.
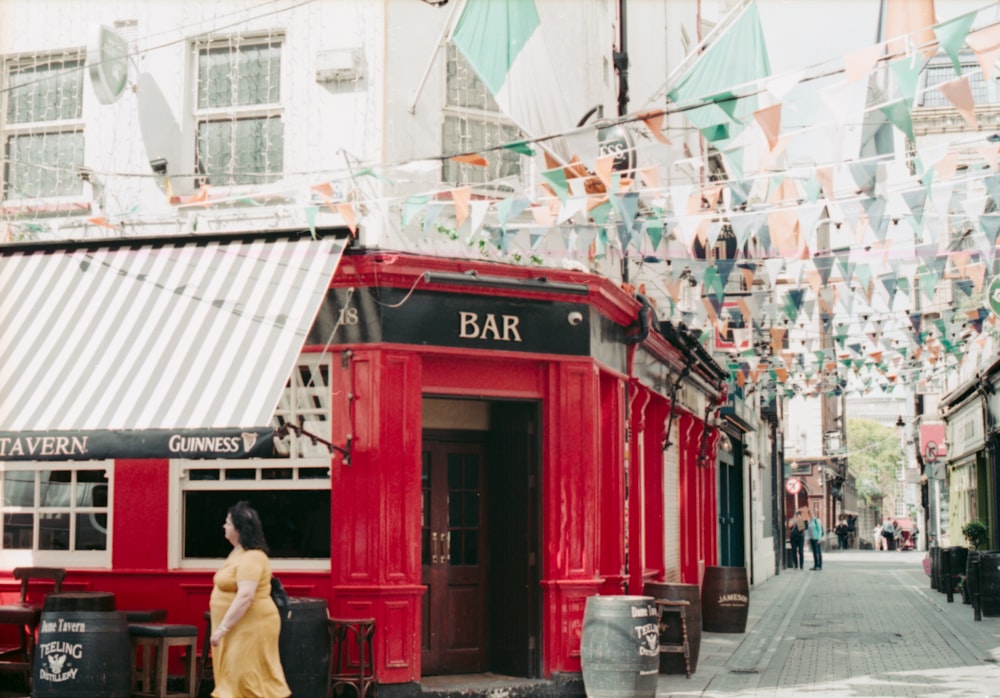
column 620, row 647
column 953, row 564
column 725, row 600
column 972, row 577
column 672, row 663
column 83, row 648
column 935, row 568
column 989, row 584
column 304, row 646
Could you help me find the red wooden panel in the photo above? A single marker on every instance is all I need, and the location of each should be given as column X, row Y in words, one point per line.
column 140, row 504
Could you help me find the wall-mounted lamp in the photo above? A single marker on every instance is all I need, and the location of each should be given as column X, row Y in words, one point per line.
column 159, row 166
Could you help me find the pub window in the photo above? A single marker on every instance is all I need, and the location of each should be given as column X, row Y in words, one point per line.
column 305, row 402
column 240, row 133
column 293, row 500
column 55, row 514
column 43, row 127
column 473, row 123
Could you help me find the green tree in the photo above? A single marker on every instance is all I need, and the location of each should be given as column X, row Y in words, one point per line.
column 873, row 456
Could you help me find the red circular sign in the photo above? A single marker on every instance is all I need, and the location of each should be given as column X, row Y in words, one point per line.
column 793, row 485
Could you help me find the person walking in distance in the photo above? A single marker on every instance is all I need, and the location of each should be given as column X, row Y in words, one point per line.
column 841, row 531
column 797, row 537
column 889, row 534
column 814, row 535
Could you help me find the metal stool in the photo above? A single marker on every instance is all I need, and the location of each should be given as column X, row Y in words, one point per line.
column 361, row 675
column 679, row 608
column 150, row 680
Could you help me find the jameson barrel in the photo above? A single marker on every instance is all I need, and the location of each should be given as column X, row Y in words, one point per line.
column 725, row 600
column 83, row 648
column 304, row 646
column 668, row 591
column 620, row 647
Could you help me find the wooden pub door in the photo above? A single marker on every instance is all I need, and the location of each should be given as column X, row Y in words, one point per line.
column 481, row 611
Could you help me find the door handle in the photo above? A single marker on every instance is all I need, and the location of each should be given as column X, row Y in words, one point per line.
column 446, row 547
column 434, row 547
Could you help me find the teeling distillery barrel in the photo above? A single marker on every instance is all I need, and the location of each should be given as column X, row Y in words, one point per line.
column 673, row 663
column 725, row 600
column 83, row 648
column 989, row 584
column 620, row 647
column 304, row 646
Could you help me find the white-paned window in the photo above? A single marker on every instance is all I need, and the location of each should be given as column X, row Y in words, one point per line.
column 238, row 114
column 473, row 123
column 292, row 498
column 43, row 127
column 291, row 493
column 55, row 514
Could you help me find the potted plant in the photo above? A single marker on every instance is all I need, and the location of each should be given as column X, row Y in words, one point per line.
column 976, row 533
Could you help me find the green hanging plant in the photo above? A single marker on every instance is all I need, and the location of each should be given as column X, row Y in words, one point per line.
column 977, row 534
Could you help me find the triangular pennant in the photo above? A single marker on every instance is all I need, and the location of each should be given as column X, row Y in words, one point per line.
column 951, row 35
column 986, row 45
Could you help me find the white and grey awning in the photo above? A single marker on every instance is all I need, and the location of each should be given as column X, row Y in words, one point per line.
column 123, row 349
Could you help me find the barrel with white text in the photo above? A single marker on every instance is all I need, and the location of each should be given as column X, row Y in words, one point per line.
column 725, row 600
column 620, row 647
column 82, row 653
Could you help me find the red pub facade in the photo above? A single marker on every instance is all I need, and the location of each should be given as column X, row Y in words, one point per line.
column 462, row 450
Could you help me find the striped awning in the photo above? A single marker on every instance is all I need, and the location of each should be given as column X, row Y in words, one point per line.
column 166, row 348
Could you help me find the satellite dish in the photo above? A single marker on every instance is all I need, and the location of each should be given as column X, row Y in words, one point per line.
column 161, row 133
column 107, row 62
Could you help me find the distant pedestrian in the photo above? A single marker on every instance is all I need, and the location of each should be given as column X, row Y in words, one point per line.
column 897, row 535
column 841, row 531
column 797, row 537
column 915, row 535
column 878, row 540
column 814, row 535
column 889, row 534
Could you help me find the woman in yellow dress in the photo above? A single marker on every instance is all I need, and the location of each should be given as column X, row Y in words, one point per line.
column 245, row 620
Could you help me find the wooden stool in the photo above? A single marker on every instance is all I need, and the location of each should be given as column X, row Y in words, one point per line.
column 680, row 608
column 361, row 675
column 150, row 680
column 25, row 615
column 149, row 615
column 205, row 670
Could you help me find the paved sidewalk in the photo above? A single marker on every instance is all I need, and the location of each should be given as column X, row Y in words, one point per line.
column 868, row 624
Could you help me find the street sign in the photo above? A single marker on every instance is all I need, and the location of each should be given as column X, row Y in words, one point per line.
column 793, row 485
column 931, row 451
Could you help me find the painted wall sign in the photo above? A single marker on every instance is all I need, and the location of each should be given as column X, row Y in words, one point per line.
column 453, row 320
column 149, row 443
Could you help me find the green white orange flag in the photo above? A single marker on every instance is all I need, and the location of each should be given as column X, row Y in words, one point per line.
column 504, row 43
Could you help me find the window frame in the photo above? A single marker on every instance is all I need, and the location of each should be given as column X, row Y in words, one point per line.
column 234, row 113
column 74, row 125
column 486, row 112
column 89, row 559
column 970, row 66
column 181, row 483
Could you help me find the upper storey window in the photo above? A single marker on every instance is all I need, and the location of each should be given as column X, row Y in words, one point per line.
column 43, row 127
column 240, row 133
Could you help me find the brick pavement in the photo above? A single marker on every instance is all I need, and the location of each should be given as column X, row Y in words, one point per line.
column 868, row 625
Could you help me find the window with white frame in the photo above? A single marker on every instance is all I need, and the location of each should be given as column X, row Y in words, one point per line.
column 43, row 126
column 292, row 495
column 473, row 123
column 54, row 512
column 240, row 133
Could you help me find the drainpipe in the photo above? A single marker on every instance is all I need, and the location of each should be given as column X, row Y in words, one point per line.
column 985, row 390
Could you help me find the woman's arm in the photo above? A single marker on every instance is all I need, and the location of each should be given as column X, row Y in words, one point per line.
column 245, row 591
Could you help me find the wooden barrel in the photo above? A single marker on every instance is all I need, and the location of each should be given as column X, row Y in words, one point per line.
column 989, row 584
column 725, row 600
column 674, row 663
column 620, row 647
column 304, row 646
column 83, row 648
column 953, row 564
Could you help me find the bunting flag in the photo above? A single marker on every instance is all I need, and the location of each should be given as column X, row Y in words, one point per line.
column 504, row 43
column 737, row 60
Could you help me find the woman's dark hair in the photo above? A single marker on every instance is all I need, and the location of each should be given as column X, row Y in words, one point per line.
column 246, row 521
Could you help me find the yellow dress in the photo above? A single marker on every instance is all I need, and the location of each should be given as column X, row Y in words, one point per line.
column 246, row 663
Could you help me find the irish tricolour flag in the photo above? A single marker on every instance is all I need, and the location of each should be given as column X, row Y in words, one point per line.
column 503, row 42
